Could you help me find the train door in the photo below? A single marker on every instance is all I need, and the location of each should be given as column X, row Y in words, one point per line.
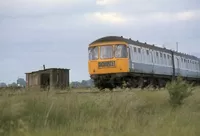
column 143, row 55
column 178, row 65
column 152, row 59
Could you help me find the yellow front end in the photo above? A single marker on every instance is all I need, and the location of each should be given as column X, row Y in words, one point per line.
column 109, row 57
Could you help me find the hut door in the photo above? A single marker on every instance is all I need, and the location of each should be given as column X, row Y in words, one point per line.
column 45, row 80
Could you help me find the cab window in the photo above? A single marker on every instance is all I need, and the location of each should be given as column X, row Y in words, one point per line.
column 93, row 53
column 106, row 52
column 121, row 51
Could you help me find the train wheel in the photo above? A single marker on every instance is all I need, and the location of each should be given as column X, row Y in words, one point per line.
column 162, row 83
column 141, row 83
column 132, row 83
column 99, row 84
column 152, row 83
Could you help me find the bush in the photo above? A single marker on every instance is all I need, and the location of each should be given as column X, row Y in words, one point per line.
column 178, row 90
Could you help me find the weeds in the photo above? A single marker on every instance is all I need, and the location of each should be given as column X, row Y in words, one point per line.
column 119, row 113
column 178, row 91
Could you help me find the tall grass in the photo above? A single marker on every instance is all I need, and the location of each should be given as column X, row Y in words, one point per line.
column 120, row 113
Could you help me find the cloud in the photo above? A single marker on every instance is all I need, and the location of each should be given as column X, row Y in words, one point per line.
column 128, row 6
column 167, row 17
column 161, row 11
column 188, row 15
column 42, row 8
column 145, row 19
column 35, row 3
column 107, row 2
column 110, row 12
column 106, row 18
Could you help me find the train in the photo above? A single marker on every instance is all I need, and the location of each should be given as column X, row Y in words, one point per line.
column 115, row 60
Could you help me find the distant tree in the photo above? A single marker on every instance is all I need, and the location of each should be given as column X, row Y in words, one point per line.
column 90, row 82
column 21, row 82
column 75, row 84
column 13, row 84
column 84, row 83
column 3, row 85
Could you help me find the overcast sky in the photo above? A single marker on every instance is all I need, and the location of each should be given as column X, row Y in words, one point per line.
column 57, row 32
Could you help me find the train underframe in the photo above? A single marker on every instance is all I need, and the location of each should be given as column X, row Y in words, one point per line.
column 132, row 80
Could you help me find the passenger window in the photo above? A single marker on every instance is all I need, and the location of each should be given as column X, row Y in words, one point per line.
column 165, row 61
column 147, row 52
column 195, row 66
column 170, row 60
column 139, row 50
column 177, row 62
column 161, row 55
column 185, row 63
column 135, row 49
column 182, row 63
column 161, row 60
column 156, row 57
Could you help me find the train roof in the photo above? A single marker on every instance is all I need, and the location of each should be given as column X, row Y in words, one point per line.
column 130, row 41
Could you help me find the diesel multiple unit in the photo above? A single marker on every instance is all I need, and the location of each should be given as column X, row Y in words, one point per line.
column 114, row 60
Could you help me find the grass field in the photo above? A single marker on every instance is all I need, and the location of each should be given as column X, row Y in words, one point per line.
column 118, row 113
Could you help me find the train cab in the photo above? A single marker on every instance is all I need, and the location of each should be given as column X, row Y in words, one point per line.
column 106, row 57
